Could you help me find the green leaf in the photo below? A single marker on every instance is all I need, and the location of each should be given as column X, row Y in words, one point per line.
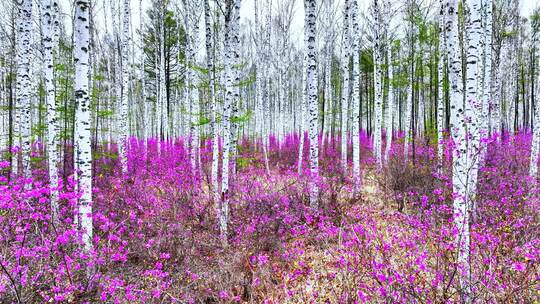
column 242, row 119
column 36, row 159
column 202, row 121
column 105, row 113
column 99, row 77
column 39, row 129
column 243, row 162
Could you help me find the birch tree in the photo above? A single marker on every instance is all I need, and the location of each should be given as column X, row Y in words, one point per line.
column 261, row 80
column 82, row 123
column 126, row 38
column 192, row 35
column 234, row 122
column 23, row 86
column 160, row 84
column 458, row 131
column 265, row 45
column 410, row 89
column 145, row 114
column 302, row 123
column 345, row 89
column 487, row 72
column 232, row 16
column 500, row 46
column 440, row 76
column 310, row 29
column 512, row 82
column 212, row 93
column 473, row 105
column 390, row 107
column 49, row 24
column 356, row 95
column 377, row 78
column 533, row 165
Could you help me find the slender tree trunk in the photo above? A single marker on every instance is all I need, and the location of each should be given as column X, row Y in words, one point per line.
column 328, row 111
column 123, row 144
column 145, row 114
column 408, row 114
column 116, row 129
column 212, row 94
column 458, row 130
column 514, row 75
column 389, row 109
column 266, row 84
column 231, row 54
column 235, row 44
column 48, row 26
column 15, row 113
column 409, row 106
column 162, row 98
column 310, row 28
column 356, row 96
column 260, row 83
column 23, row 87
column 533, row 166
column 192, row 34
column 496, row 96
column 4, row 123
column 302, row 117
column 473, row 104
column 440, row 89
column 82, row 141
column 345, row 89
column 377, row 78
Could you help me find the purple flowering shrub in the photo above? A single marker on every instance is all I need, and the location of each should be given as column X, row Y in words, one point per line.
column 408, row 182
column 156, row 237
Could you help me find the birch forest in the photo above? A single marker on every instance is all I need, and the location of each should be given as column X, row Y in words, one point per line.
column 269, row 151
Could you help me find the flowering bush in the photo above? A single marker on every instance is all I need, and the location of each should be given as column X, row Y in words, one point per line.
column 156, row 236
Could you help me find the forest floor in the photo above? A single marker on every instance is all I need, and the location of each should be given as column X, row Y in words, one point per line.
column 156, row 237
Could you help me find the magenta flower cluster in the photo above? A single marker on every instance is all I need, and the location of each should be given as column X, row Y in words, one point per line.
column 156, row 236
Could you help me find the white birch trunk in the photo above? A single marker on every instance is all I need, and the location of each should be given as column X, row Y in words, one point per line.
column 496, row 96
column 48, row 27
column 345, row 89
column 533, row 166
column 486, row 90
column 302, row 116
column 192, row 34
column 235, row 45
column 389, row 109
column 23, row 86
column 4, row 132
column 231, row 53
column 377, row 78
column 327, row 94
column 259, row 84
column 115, row 14
column 266, row 120
column 310, row 28
column 440, row 90
column 145, row 118
column 473, row 104
column 82, row 141
column 458, row 130
column 355, row 134
column 162, row 98
column 123, row 143
column 513, row 56
column 212, row 95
